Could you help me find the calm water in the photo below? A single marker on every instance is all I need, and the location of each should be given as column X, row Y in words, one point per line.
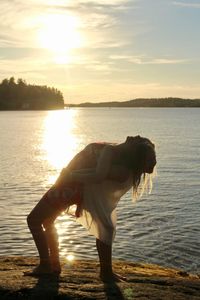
column 162, row 228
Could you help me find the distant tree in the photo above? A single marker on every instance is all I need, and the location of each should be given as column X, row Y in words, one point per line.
column 20, row 95
column 145, row 102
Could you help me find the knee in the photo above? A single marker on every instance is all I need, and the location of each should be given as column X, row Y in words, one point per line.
column 29, row 220
column 32, row 221
column 48, row 225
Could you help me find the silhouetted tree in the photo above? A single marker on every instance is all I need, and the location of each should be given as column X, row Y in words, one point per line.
column 20, row 95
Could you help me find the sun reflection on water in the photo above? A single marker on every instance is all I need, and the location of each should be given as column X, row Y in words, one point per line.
column 70, row 257
column 59, row 141
column 63, row 227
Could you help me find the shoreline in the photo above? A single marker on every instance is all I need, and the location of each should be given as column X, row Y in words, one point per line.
column 80, row 280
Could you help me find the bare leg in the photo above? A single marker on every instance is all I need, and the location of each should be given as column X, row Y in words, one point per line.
column 53, row 244
column 35, row 219
column 105, row 258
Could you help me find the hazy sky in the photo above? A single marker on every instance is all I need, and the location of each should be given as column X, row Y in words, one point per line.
column 103, row 50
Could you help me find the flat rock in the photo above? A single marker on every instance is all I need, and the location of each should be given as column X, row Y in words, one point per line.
column 80, row 280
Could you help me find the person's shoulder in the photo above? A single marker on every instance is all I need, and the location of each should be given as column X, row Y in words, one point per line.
column 88, row 147
column 107, row 149
column 97, row 146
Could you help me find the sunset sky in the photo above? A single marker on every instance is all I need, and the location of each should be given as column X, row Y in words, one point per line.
column 103, row 50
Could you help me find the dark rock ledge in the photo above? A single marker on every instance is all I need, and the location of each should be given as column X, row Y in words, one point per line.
column 79, row 280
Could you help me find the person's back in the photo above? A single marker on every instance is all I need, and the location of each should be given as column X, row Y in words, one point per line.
column 64, row 192
column 85, row 159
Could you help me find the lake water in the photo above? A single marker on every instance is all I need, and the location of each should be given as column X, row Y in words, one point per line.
column 161, row 228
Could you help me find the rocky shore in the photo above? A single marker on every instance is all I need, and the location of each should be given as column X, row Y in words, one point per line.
column 80, row 280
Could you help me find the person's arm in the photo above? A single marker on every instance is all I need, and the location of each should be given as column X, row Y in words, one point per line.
column 77, row 163
column 116, row 173
column 98, row 174
column 119, row 173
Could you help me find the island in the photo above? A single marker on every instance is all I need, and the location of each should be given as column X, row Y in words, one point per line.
column 18, row 95
column 143, row 102
column 80, row 280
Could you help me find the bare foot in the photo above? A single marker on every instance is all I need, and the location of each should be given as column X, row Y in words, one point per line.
column 112, row 277
column 39, row 271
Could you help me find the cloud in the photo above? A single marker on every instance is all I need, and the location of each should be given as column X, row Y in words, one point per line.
column 163, row 61
column 15, row 28
column 21, row 66
column 98, row 21
column 38, row 67
column 103, row 68
column 143, row 60
column 187, row 4
column 7, row 40
column 78, row 6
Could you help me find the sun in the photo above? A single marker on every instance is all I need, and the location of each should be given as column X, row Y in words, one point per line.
column 59, row 33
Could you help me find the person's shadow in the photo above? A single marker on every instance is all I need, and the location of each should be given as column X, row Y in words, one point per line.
column 47, row 287
column 112, row 291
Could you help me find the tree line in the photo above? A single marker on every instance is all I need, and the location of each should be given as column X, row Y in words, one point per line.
column 144, row 102
column 18, row 95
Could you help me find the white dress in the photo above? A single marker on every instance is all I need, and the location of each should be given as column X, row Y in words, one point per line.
column 98, row 206
column 98, row 214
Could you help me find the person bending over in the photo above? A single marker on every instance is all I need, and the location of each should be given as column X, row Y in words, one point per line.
column 94, row 181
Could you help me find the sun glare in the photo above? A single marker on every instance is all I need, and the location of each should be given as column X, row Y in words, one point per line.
column 70, row 257
column 63, row 226
column 59, row 34
column 59, row 142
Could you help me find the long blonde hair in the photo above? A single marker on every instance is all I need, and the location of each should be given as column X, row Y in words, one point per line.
column 142, row 184
column 137, row 161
